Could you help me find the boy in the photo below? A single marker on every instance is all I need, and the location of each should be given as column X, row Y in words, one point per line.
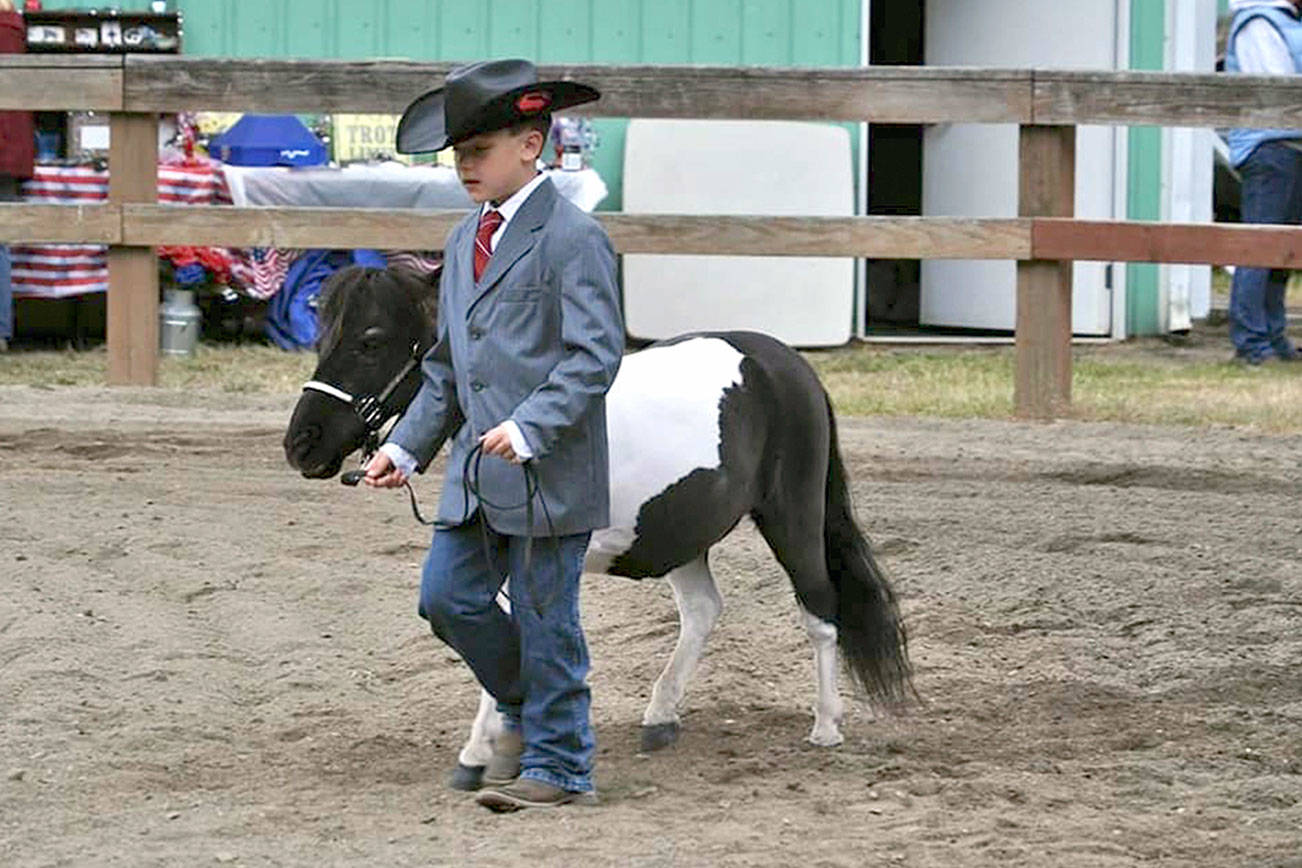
column 529, row 340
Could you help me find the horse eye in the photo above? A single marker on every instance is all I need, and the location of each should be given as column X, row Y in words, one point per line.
column 370, row 342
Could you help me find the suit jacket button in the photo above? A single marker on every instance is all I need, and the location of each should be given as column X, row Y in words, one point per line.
column 476, row 334
column 477, row 386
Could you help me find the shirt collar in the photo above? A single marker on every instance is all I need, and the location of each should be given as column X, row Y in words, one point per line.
column 509, row 208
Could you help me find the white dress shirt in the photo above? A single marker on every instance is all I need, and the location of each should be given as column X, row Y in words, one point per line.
column 401, row 458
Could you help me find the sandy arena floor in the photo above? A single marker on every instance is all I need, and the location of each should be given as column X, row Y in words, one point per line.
column 205, row 659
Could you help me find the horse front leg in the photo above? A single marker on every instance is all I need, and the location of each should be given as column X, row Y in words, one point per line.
column 699, row 607
column 478, row 749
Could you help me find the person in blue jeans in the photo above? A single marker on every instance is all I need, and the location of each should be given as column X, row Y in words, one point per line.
column 530, row 336
column 1265, row 38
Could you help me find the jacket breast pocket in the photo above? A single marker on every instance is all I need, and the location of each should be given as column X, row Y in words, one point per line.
column 521, row 295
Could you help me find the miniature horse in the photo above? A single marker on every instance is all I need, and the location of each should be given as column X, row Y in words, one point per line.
column 703, row 429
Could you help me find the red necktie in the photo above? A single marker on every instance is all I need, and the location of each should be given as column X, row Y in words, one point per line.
column 488, row 223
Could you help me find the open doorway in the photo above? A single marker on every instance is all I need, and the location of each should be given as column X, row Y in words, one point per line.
column 894, row 166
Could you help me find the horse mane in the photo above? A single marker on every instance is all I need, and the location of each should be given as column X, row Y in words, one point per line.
column 402, row 288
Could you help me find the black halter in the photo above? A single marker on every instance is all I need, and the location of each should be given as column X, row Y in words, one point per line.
column 372, row 410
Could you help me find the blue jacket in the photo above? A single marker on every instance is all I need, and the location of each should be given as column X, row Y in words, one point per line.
column 537, row 340
column 1244, row 141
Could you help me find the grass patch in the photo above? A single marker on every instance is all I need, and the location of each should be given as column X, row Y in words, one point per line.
column 978, row 383
column 250, row 368
column 1133, row 382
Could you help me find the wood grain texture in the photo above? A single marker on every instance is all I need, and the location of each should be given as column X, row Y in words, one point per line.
column 1167, row 99
column 39, row 82
column 60, row 224
column 1196, row 243
column 1047, row 185
column 885, row 237
column 132, row 322
column 883, row 94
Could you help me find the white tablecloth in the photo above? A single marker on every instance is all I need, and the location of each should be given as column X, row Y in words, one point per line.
column 384, row 186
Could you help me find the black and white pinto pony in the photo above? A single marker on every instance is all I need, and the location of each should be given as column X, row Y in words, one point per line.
column 703, row 430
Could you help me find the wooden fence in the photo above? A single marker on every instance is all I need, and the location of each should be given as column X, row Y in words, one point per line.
column 1043, row 239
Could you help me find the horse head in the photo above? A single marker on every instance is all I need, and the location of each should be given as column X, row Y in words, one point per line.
column 372, row 320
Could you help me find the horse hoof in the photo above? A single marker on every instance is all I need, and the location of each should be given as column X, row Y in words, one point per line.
column 466, row 778
column 825, row 739
column 658, row 735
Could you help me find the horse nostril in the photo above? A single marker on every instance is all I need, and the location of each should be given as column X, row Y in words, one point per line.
column 299, row 445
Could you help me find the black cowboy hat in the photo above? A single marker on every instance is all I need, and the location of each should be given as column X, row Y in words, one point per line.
column 480, row 98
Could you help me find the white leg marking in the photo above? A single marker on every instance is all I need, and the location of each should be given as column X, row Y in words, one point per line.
column 488, row 723
column 828, row 710
column 488, row 720
column 699, row 606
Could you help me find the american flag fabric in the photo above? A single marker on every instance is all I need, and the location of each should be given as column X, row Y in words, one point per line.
column 61, row 270
column 260, row 271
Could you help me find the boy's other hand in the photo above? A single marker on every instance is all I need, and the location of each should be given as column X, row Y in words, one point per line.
column 380, row 472
column 497, row 442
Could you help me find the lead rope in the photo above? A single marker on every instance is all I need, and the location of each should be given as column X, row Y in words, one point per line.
column 373, row 413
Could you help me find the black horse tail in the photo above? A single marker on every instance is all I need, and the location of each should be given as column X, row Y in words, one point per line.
column 870, row 633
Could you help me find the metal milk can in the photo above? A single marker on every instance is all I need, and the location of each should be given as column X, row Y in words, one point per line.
column 179, row 321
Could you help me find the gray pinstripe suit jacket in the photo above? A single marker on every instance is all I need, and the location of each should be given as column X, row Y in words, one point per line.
column 537, row 340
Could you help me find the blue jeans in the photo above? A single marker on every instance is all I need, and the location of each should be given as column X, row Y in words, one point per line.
column 534, row 665
column 1272, row 193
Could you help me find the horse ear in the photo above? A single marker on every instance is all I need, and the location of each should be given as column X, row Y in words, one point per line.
column 429, row 300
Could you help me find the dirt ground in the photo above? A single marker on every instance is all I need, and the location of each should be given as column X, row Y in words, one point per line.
column 205, row 659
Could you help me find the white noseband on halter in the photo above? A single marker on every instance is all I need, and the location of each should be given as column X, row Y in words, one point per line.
column 327, row 389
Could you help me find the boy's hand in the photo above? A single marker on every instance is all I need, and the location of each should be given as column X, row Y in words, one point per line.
column 498, row 442
column 380, row 472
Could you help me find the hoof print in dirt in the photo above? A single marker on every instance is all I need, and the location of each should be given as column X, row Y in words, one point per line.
column 658, row 736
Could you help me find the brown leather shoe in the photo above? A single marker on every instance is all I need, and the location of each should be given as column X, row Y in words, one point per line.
column 528, row 793
column 504, row 765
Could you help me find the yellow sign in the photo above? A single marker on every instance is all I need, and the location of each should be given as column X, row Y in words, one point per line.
column 211, row 123
column 365, row 137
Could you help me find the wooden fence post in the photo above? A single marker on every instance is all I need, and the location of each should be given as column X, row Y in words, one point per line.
column 133, row 271
column 1042, row 381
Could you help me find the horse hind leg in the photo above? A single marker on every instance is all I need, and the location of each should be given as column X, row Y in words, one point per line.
column 699, row 607
column 796, row 538
column 828, row 710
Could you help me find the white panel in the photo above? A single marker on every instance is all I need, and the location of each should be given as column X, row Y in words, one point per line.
column 1188, row 160
column 739, row 167
column 971, row 170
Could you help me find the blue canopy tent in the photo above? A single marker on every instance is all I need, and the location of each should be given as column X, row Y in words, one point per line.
column 268, row 140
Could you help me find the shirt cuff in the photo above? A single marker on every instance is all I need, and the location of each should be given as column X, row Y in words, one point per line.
column 519, row 445
column 401, row 458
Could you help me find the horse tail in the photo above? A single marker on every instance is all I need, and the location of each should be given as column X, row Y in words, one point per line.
column 872, row 637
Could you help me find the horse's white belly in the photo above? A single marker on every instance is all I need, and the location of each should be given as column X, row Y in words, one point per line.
column 662, row 422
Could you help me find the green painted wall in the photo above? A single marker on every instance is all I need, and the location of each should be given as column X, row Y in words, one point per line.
column 759, row 32
column 1147, row 51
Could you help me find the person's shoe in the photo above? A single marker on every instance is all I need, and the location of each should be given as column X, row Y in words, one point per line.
column 528, row 793
column 1254, row 361
column 1288, row 353
column 4, row 345
column 504, row 766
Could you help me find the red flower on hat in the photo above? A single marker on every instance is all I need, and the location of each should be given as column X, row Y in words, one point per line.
column 533, row 101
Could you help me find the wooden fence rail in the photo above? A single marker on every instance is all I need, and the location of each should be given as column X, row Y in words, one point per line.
column 1043, row 239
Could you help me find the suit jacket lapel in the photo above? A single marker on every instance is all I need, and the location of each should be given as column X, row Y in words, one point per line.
column 519, row 238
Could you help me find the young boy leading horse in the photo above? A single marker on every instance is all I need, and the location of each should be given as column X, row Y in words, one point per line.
column 529, row 341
